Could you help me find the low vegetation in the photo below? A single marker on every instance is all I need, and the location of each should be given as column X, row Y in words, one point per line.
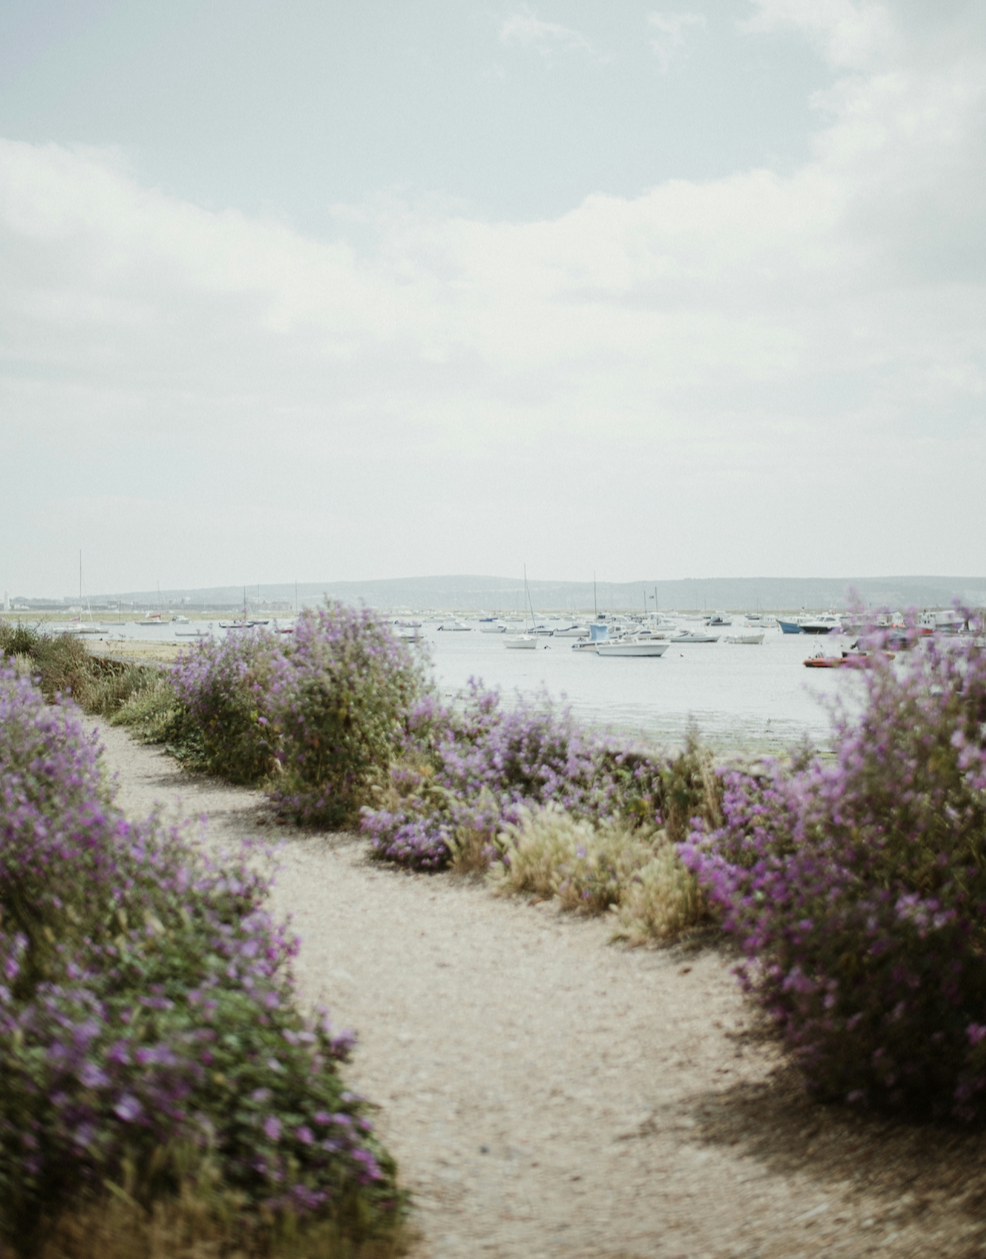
column 154, row 1058
column 857, row 890
column 855, row 884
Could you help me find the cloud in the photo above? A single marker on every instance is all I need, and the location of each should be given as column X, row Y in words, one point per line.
column 670, row 33
column 528, row 31
column 852, row 34
column 807, row 347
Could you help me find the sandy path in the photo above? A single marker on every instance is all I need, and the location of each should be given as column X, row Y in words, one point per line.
column 549, row 1095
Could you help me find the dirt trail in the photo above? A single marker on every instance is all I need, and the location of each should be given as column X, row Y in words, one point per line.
column 548, row 1094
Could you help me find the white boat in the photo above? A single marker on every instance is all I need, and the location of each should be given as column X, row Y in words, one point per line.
column 454, row 627
column 748, row 640
column 492, row 627
column 693, row 636
column 573, row 631
column 827, row 624
column 632, row 647
column 528, row 640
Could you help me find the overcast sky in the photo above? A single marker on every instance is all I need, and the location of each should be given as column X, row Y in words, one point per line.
column 372, row 288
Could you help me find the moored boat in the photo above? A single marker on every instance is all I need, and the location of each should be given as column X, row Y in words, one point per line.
column 632, row 647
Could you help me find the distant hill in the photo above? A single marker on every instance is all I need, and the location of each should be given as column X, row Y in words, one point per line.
column 473, row 594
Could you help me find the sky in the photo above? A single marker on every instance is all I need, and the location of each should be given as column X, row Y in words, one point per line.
column 384, row 288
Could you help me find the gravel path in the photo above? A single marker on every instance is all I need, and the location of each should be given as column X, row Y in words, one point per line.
column 548, row 1094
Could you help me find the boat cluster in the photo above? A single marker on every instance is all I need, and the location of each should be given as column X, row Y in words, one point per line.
column 618, row 635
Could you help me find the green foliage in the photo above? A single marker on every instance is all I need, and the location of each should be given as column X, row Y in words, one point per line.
column 150, row 1037
column 62, row 664
column 341, row 701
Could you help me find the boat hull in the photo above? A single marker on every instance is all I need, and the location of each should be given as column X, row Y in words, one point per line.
column 647, row 648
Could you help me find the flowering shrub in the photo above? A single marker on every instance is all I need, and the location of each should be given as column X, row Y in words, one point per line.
column 225, row 688
column 341, row 699
column 469, row 772
column 858, row 890
column 147, row 1013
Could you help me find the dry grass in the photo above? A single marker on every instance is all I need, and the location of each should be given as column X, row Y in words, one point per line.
column 662, row 901
column 591, row 868
column 116, row 1227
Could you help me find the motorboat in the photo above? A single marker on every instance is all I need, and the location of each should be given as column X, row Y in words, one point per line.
column 521, row 642
column 747, row 640
column 827, row 624
column 573, row 631
column 818, row 661
column 155, row 618
column 694, row 636
column 492, row 627
column 454, row 627
column 718, row 620
column 598, row 633
column 632, row 647
column 790, row 627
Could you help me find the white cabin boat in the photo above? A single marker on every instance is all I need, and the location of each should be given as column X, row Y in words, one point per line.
column 632, row 647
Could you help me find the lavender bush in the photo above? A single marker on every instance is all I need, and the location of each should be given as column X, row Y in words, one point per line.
column 470, row 771
column 341, row 699
column 148, row 1026
column 857, row 890
column 225, row 688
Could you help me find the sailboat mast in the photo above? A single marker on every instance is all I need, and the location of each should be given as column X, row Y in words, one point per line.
column 595, row 607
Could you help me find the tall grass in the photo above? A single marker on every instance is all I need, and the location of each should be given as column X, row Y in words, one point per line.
column 62, row 664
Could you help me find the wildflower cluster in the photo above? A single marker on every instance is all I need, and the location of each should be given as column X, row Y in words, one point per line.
column 147, row 1011
column 470, row 771
column 340, row 701
column 857, row 889
column 225, row 687
column 318, row 716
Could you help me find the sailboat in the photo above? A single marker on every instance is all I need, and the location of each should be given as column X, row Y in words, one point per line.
column 526, row 641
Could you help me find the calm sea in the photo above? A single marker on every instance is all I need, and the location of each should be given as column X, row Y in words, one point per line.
column 753, row 699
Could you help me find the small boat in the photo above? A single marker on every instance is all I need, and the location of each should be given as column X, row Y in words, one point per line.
column 154, row 619
column 718, row 620
column 824, row 662
column 827, row 624
column 747, row 640
column 492, row 627
column 527, row 641
column 790, row 627
column 454, row 627
column 694, row 636
column 632, row 647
